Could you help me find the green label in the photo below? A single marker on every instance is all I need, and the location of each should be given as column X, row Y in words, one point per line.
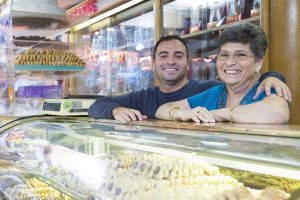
column 67, row 105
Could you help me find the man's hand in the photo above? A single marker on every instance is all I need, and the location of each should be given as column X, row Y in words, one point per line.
column 125, row 115
column 280, row 87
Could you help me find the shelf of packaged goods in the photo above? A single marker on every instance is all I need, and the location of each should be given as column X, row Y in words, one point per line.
column 217, row 28
column 48, row 68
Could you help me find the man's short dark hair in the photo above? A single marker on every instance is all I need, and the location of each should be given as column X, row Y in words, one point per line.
column 168, row 38
column 247, row 33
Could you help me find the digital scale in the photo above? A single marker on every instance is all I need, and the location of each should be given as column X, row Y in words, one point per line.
column 66, row 106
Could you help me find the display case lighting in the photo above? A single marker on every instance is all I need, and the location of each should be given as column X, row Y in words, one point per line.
column 106, row 14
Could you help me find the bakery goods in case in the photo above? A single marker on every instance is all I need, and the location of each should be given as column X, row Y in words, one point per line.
column 48, row 57
column 44, row 191
column 156, row 176
column 243, row 193
column 137, row 176
column 16, row 184
column 261, row 181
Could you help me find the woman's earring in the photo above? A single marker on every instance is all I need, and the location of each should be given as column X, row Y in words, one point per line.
column 257, row 70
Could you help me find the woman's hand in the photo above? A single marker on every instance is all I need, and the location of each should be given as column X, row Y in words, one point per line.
column 198, row 114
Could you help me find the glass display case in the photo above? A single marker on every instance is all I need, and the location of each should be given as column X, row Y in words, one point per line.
column 82, row 158
column 35, row 62
column 201, row 22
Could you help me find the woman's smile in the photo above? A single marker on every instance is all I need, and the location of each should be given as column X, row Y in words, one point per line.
column 232, row 71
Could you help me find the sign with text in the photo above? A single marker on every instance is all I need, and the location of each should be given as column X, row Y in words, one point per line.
column 84, row 9
column 92, row 7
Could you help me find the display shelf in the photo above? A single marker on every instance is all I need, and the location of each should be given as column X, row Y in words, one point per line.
column 217, row 28
column 48, row 68
column 38, row 36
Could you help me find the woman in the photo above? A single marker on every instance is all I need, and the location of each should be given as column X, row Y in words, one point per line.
column 239, row 60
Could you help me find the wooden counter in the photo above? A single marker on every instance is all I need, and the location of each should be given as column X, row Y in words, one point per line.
column 285, row 130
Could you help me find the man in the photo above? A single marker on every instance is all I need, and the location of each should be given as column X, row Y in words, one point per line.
column 171, row 61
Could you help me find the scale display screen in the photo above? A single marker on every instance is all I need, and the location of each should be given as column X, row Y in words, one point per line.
column 51, row 106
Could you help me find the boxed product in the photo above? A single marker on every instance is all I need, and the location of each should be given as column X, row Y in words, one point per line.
column 40, row 91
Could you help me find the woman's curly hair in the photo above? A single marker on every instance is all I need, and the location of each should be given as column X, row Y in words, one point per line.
column 246, row 33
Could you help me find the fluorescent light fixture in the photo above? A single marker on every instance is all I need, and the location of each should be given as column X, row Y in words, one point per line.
column 106, row 14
